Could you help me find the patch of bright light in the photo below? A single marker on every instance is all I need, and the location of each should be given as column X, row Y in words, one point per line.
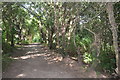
column 29, row 56
column 32, row 52
column 35, row 70
column 16, row 36
column 20, row 75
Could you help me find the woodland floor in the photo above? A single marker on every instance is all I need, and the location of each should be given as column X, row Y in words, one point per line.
column 37, row 61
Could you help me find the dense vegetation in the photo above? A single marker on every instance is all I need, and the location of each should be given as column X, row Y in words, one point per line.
column 87, row 31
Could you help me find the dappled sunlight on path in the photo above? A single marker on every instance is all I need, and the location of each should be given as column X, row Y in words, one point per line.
column 37, row 51
column 37, row 61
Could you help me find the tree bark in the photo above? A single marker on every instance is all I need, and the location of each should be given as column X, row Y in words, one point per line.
column 114, row 33
column 96, row 45
column 42, row 34
column 50, row 38
column 12, row 37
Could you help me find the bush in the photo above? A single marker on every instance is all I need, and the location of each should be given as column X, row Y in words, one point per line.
column 6, row 60
column 6, row 47
column 107, row 62
column 107, row 59
column 70, row 49
column 36, row 38
column 87, row 58
column 24, row 42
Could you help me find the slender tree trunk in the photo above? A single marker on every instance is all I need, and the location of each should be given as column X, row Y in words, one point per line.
column 96, row 45
column 42, row 34
column 56, row 28
column 114, row 33
column 50, row 38
column 77, row 48
column 12, row 37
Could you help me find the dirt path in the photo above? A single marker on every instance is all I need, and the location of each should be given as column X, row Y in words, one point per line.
column 37, row 61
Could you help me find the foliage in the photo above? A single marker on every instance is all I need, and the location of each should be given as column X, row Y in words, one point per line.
column 88, row 58
column 70, row 49
column 65, row 27
column 6, row 60
column 6, row 48
column 36, row 38
column 107, row 59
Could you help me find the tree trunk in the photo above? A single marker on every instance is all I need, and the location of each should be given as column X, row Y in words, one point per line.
column 50, row 38
column 12, row 37
column 77, row 48
column 96, row 45
column 42, row 34
column 56, row 28
column 114, row 33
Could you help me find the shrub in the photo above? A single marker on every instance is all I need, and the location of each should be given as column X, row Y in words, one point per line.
column 6, row 60
column 6, row 48
column 107, row 59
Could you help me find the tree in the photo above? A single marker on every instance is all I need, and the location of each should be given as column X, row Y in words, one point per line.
column 113, row 28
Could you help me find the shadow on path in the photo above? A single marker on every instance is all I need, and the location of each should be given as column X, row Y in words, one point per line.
column 37, row 61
